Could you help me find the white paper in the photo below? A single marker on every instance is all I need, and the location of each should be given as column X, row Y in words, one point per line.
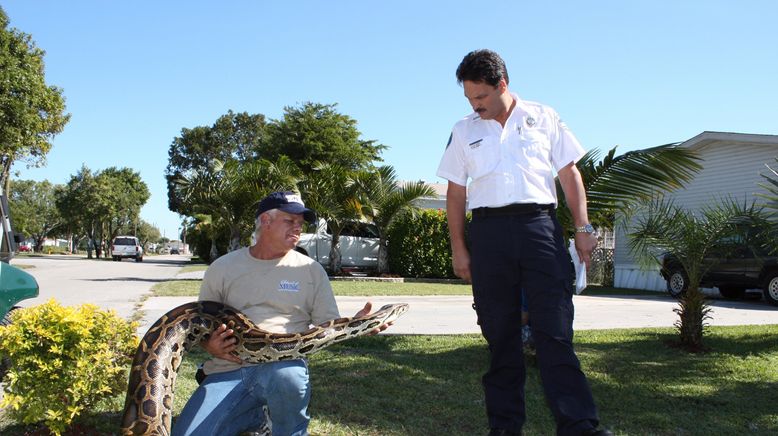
column 580, row 269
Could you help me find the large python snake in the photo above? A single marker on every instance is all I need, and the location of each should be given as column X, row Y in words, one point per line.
column 148, row 408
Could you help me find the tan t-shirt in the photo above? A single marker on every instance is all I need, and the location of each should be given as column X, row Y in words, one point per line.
column 285, row 295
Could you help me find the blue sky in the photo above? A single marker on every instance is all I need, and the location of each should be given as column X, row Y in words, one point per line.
column 628, row 73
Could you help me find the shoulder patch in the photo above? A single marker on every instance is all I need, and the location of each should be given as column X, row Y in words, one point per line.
column 450, row 137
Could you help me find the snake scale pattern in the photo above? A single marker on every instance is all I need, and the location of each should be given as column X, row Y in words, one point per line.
column 148, row 408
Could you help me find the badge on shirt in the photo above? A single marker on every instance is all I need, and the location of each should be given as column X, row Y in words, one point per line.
column 530, row 122
column 288, row 286
column 475, row 144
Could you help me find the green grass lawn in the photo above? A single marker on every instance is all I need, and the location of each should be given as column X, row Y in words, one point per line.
column 191, row 287
column 423, row 385
column 195, row 267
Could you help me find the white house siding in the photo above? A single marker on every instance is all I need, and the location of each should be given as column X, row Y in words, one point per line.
column 732, row 164
column 438, row 201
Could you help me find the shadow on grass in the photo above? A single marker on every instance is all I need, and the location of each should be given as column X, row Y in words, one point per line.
column 421, row 385
column 385, row 386
column 89, row 424
column 643, row 386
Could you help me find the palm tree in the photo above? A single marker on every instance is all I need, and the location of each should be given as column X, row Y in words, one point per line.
column 616, row 182
column 662, row 227
column 384, row 200
column 330, row 191
column 229, row 191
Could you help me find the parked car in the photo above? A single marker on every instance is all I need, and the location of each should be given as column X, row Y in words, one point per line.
column 126, row 246
column 174, row 251
column 358, row 245
column 744, row 268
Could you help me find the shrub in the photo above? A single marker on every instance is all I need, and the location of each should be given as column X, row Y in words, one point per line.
column 65, row 360
column 419, row 246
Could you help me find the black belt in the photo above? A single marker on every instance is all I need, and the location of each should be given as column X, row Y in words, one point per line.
column 512, row 209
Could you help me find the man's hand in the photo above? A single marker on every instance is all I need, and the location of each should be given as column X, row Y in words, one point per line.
column 585, row 243
column 221, row 343
column 460, row 260
column 366, row 311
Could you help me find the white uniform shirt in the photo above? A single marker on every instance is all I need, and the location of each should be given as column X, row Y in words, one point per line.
column 514, row 164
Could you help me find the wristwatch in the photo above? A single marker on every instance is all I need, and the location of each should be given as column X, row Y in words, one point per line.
column 586, row 228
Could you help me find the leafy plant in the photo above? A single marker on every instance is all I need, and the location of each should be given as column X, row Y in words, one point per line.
column 662, row 227
column 771, row 185
column 65, row 361
column 616, row 182
column 384, row 200
column 420, row 245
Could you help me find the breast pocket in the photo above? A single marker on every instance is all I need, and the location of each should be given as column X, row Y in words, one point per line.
column 482, row 155
column 536, row 148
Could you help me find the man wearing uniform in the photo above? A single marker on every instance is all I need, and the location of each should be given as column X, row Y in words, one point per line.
column 280, row 290
column 510, row 149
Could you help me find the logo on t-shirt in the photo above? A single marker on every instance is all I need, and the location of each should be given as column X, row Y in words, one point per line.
column 288, row 286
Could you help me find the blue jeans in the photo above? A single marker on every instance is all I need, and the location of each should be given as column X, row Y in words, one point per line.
column 231, row 402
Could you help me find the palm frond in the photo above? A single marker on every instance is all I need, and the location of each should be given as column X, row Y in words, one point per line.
column 617, row 183
column 771, row 186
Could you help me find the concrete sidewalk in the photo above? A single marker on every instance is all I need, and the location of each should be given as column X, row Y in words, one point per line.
column 454, row 314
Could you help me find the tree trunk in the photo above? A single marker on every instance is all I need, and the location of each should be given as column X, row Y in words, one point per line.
column 234, row 238
column 383, row 256
column 38, row 244
column 335, row 258
column 693, row 312
column 91, row 242
column 214, row 251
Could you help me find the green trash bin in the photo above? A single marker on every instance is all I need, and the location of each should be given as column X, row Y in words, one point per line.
column 15, row 286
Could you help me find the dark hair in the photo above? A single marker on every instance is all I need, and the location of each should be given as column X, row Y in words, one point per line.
column 482, row 66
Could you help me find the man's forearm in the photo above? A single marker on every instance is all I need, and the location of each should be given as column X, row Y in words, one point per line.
column 575, row 195
column 455, row 212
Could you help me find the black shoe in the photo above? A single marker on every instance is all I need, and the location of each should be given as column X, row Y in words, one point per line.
column 598, row 432
column 503, row 432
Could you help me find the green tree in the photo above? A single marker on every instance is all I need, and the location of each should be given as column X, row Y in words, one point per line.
column 148, row 233
column 101, row 204
column 31, row 112
column 662, row 227
column 617, row 182
column 316, row 133
column 330, row 190
column 228, row 192
column 234, row 136
column 76, row 205
column 34, row 210
column 121, row 194
column 384, row 199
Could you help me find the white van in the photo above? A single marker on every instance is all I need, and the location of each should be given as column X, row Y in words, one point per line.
column 126, row 246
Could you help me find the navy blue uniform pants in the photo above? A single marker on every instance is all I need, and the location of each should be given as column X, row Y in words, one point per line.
column 527, row 251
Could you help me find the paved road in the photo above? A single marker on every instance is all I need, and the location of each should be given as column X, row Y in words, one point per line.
column 120, row 286
column 73, row 280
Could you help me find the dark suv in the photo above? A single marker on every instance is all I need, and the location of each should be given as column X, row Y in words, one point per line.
column 745, row 268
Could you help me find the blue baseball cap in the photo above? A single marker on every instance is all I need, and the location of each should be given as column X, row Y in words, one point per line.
column 286, row 201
